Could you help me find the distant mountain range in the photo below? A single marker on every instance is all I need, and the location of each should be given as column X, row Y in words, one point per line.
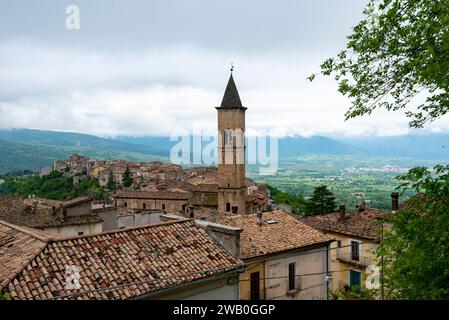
column 288, row 147
column 31, row 149
column 433, row 146
column 22, row 149
column 419, row 146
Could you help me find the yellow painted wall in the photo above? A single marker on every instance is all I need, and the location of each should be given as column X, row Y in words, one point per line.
column 340, row 277
column 95, row 171
column 245, row 288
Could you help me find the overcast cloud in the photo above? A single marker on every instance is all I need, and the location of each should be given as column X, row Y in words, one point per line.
column 148, row 67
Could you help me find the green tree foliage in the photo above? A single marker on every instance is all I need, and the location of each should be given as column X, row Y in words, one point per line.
column 4, row 296
column 53, row 186
column 398, row 54
column 295, row 200
column 415, row 250
column 356, row 293
column 398, row 58
column 111, row 183
column 127, row 178
column 322, row 201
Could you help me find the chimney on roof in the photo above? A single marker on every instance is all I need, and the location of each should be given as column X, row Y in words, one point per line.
column 259, row 217
column 342, row 211
column 227, row 236
column 394, row 201
column 361, row 206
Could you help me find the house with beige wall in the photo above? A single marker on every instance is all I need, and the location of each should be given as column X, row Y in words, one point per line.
column 67, row 218
column 286, row 259
column 357, row 235
column 157, row 200
column 35, row 265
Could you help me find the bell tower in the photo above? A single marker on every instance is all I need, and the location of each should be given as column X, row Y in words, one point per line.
column 231, row 151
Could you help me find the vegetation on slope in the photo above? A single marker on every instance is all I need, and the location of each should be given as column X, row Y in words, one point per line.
column 295, row 200
column 54, row 186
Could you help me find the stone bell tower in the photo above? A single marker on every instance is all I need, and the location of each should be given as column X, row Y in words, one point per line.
column 231, row 152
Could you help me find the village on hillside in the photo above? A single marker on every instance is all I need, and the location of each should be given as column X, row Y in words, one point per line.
column 224, row 159
column 165, row 232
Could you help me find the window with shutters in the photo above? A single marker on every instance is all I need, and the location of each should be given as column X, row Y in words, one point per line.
column 355, row 250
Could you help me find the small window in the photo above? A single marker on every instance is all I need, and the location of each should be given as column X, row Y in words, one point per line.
column 144, row 206
column 355, row 250
column 126, row 204
column 291, row 276
column 338, row 244
column 228, row 207
column 255, row 286
column 163, row 206
column 80, row 233
column 235, row 209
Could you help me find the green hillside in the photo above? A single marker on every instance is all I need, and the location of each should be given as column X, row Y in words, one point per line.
column 32, row 149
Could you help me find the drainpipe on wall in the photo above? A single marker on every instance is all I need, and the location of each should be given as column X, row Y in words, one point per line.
column 328, row 276
column 382, row 266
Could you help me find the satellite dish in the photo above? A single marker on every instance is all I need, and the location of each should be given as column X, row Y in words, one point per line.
column 373, row 277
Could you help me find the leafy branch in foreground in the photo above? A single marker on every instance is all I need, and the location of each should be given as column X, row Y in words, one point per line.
column 415, row 249
column 397, row 54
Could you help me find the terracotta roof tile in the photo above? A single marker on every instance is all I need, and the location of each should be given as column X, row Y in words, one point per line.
column 17, row 211
column 286, row 233
column 125, row 263
column 18, row 246
column 73, row 202
column 363, row 224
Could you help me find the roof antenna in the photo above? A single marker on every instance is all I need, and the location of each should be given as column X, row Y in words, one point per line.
column 232, row 67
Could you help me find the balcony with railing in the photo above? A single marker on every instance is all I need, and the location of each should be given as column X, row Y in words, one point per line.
column 354, row 259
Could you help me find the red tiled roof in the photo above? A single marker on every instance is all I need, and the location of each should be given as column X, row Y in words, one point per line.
column 76, row 201
column 286, row 233
column 363, row 224
column 18, row 246
column 18, row 212
column 113, row 265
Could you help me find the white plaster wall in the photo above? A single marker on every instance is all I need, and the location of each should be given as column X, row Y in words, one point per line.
column 71, row 231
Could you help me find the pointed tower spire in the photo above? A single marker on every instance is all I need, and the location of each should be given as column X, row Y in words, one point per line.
column 231, row 98
column 231, row 151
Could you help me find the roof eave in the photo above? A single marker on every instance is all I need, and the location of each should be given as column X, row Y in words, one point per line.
column 231, row 108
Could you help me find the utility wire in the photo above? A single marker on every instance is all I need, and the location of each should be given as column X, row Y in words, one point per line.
column 203, row 272
column 173, row 277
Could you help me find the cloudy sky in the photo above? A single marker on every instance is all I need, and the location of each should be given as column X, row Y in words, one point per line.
column 147, row 67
